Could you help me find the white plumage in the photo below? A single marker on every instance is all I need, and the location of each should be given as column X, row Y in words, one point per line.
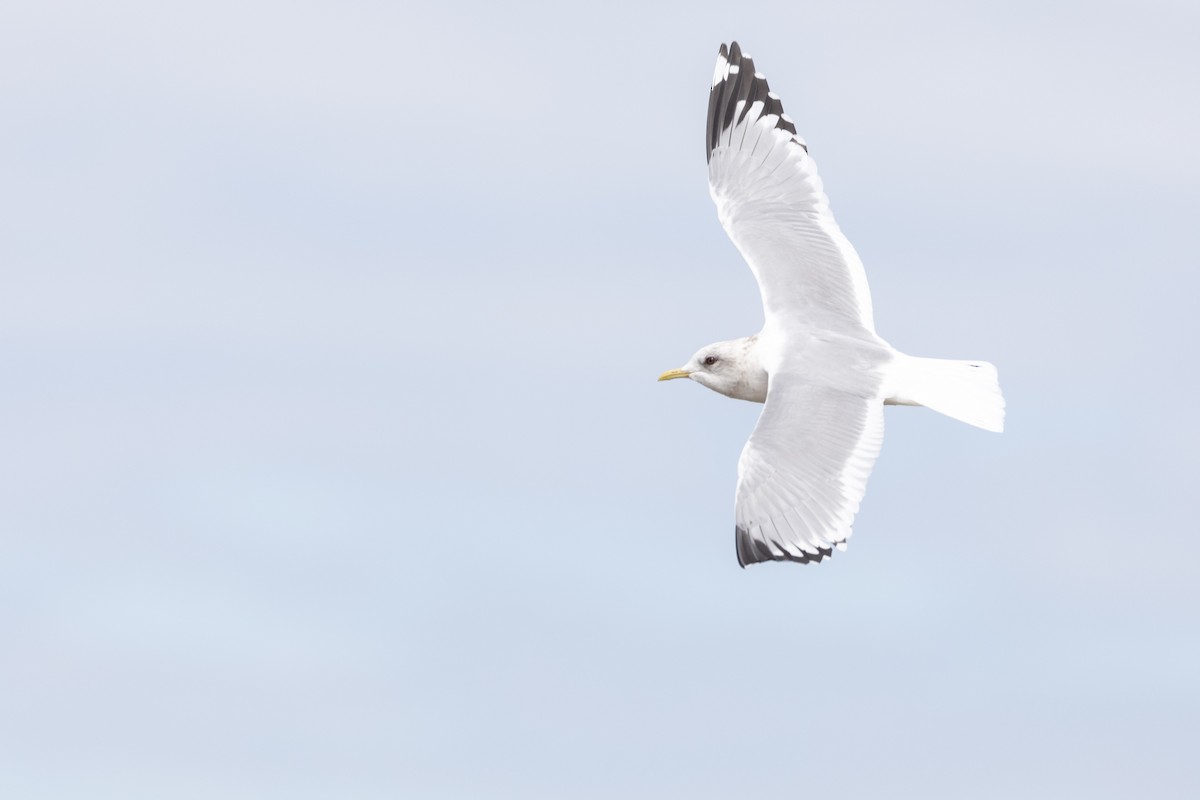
column 817, row 363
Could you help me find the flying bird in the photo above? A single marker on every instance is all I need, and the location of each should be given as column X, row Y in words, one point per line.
column 817, row 364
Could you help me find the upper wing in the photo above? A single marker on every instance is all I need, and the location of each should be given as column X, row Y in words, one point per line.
column 769, row 199
column 804, row 471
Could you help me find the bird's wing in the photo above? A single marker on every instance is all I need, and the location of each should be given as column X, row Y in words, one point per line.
column 770, row 200
column 804, row 471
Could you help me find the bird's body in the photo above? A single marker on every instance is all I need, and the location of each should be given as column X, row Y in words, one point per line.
column 817, row 364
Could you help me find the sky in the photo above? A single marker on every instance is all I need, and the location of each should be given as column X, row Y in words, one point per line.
column 334, row 463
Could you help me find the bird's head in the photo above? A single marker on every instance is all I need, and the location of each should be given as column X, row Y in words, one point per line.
column 730, row 368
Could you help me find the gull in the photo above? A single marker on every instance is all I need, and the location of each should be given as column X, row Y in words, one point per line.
column 822, row 372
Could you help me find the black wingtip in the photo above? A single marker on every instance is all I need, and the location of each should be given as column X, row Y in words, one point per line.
column 750, row 551
column 740, row 539
column 740, row 83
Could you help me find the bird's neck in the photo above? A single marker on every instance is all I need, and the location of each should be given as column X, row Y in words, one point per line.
column 750, row 381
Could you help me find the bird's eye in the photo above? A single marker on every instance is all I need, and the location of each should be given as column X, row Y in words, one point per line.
column 710, row 360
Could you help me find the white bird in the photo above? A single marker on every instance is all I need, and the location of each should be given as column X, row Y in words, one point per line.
column 817, row 364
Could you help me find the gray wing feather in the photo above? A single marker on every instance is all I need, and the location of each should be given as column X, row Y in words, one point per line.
column 804, row 471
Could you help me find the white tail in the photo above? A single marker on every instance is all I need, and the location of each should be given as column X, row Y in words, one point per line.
column 968, row 391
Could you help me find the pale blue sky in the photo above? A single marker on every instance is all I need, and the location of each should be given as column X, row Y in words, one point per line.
column 334, row 464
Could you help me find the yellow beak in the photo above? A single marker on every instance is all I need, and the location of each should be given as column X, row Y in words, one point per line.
column 672, row 374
